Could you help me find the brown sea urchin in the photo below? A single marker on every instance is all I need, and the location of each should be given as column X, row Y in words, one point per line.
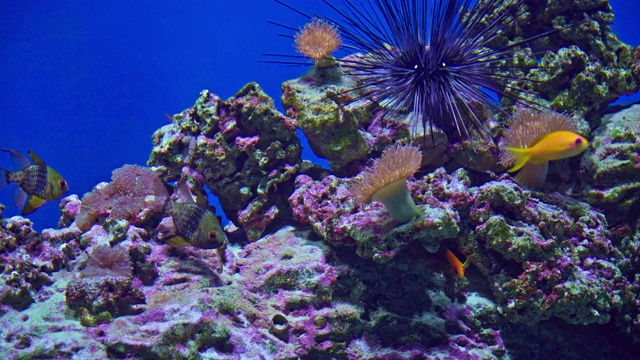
column 386, row 181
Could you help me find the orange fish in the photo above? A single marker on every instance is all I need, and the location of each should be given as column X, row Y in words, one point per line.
column 553, row 146
column 455, row 262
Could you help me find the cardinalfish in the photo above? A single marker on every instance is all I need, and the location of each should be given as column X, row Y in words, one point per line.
column 455, row 263
column 37, row 182
column 194, row 224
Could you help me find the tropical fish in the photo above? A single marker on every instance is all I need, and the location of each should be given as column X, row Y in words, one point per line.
column 37, row 182
column 553, row 146
column 194, row 224
column 455, row 263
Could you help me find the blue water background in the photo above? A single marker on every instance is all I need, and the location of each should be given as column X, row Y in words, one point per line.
column 84, row 84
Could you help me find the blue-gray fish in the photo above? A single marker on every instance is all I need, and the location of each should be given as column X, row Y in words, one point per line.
column 38, row 182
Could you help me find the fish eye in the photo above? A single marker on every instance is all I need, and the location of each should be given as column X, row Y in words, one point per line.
column 212, row 235
column 578, row 140
column 62, row 184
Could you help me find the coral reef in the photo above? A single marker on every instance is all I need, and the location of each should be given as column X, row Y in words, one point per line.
column 613, row 181
column 338, row 126
column 282, row 296
column 590, row 68
column 328, row 207
column 26, row 263
column 242, row 149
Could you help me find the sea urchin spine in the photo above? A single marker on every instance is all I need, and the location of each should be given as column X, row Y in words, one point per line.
column 435, row 59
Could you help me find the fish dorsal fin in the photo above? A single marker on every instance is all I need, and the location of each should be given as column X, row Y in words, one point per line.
column 17, row 159
column 36, row 159
column 183, row 192
column 178, row 241
column 33, row 204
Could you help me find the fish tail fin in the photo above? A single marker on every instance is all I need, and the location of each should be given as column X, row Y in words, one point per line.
column 183, row 192
column 521, row 155
column 158, row 201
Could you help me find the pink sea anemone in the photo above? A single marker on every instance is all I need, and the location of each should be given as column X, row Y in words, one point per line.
column 124, row 198
column 105, row 260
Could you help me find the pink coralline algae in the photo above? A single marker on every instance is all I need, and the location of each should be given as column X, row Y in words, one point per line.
column 327, row 206
column 123, row 198
column 26, row 263
column 246, row 152
column 105, row 286
column 544, row 255
column 613, row 183
column 282, row 296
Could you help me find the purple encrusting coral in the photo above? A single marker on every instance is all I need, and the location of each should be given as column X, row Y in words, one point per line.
column 243, row 149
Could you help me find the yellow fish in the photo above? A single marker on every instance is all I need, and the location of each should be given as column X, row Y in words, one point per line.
column 37, row 181
column 553, row 146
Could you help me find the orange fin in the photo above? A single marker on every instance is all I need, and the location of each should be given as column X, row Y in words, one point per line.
column 33, row 203
column 178, row 241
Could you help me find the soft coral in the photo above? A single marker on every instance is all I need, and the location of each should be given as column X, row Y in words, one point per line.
column 123, row 198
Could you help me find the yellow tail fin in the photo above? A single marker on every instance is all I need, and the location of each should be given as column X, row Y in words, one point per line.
column 522, row 157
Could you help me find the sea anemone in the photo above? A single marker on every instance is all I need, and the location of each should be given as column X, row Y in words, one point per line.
column 386, row 181
column 105, row 260
column 526, row 128
column 124, row 198
column 438, row 60
column 317, row 40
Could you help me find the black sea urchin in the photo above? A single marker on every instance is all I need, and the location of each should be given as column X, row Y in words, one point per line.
column 438, row 59
column 433, row 58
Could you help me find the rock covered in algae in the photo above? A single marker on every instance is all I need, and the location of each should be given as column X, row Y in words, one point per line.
column 591, row 66
column 613, row 167
column 245, row 150
column 544, row 255
column 282, row 296
column 326, row 206
column 26, row 263
column 345, row 127
column 338, row 125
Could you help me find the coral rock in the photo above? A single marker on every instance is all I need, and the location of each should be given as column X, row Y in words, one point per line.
column 246, row 152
